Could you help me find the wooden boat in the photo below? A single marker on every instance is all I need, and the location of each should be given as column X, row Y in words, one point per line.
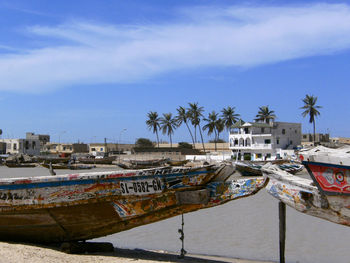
column 177, row 163
column 59, row 166
column 327, row 195
column 20, row 165
column 248, row 169
column 105, row 160
column 254, row 169
column 143, row 164
column 83, row 206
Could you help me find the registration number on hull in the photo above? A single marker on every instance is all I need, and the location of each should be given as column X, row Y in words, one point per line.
column 142, row 187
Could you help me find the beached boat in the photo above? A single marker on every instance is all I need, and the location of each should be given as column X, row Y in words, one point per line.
column 20, row 165
column 254, row 169
column 327, row 195
column 88, row 205
column 68, row 166
column 143, row 164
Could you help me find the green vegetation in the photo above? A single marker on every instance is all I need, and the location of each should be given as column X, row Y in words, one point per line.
column 310, row 108
column 168, row 124
column 153, row 123
column 184, row 145
column 265, row 114
column 144, row 143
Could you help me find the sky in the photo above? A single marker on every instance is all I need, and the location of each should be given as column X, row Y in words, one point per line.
column 85, row 70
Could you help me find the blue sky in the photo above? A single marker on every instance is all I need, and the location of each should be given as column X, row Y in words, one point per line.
column 85, row 70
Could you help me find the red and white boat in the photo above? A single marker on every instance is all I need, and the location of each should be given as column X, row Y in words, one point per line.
column 327, row 195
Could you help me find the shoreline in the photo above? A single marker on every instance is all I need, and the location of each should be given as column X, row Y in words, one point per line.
column 31, row 253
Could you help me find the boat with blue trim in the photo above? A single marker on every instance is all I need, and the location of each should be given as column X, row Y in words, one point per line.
column 327, row 195
column 83, row 206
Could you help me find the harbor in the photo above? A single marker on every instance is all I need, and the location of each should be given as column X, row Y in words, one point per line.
column 244, row 229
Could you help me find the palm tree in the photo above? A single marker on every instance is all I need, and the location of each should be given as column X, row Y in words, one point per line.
column 183, row 117
column 220, row 126
column 195, row 113
column 211, row 125
column 310, row 108
column 153, row 123
column 168, row 125
column 265, row 114
column 229, row 117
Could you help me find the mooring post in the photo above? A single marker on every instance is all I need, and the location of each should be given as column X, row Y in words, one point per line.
column 282, row 219
column 182, row 238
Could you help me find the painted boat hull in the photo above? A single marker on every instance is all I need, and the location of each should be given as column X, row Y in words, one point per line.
column 85, row 206
column 302, row 195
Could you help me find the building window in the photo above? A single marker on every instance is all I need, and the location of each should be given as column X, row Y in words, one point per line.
column 268, row 155
column 278, row 141
column 262, row 130
column 267, row 141
column 33, row 145
column 291, row 142
column 93, row 149
column 258, row 156
column 15, row 146
column 64, row 148
column 283, row 131
column 246, row 130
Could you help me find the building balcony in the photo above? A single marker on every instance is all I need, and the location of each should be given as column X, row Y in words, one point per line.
column 256, row 146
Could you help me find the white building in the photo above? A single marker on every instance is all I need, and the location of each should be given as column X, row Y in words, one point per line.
column 24, row 146
column 259, row 141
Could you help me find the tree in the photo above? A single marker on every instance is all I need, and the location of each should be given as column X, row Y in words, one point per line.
column 195, row 113
column 211, row 124
column 168, row 125
column 265, row 114
column 185, row 145
column 144, row 143
column 182, row 117
column 311, row 109
column 229, row 117
column 220, row 126
column 153, row 123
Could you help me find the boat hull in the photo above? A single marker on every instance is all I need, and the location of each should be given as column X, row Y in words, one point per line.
column 302, row 195
column 85, row 206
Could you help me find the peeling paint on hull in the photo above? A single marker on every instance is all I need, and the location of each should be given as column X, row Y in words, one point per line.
column 89, row 205
column 302, row 195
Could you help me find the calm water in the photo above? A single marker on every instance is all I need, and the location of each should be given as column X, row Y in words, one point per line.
column 245, row 228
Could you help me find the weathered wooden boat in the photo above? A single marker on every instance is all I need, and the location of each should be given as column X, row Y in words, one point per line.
column 327, row 195
column 60, row 166
column 254, row 169
column 88, row 205
column 177, row 163
column 143, row 164
column 248, row 169
column 20, row 165
column 104, row 160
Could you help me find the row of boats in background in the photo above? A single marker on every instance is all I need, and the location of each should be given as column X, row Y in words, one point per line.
column 83, row 206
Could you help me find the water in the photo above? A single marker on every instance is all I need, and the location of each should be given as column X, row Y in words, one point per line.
column 246, row 228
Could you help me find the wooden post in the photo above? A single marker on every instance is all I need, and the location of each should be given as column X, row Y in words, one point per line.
column 282, row 229
column 182, row 238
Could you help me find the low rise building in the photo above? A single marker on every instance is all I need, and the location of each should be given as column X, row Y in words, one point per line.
column 258, row 141
column 22, row 146
column 65, row 148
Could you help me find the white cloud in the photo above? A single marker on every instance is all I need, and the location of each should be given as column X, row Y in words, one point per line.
column 234, row 36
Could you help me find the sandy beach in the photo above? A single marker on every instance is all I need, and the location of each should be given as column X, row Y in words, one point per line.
column 14, row 252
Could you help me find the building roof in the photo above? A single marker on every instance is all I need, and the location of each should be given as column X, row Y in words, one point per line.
column 242, row 124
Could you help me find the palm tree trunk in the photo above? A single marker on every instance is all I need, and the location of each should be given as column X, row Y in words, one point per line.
column 200, row 132
column 216, row 139
column 171, row 142
column 314, row 132
column 157, row 138
column 191, row 135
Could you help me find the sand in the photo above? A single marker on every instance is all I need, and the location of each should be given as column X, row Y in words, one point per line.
column 14, row 253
